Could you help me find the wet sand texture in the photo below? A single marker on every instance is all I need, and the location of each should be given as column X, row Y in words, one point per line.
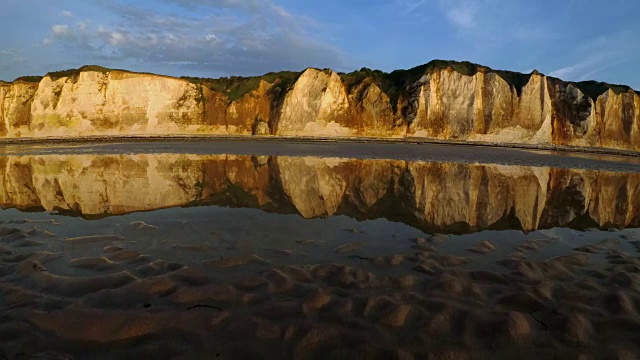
column 569, row 306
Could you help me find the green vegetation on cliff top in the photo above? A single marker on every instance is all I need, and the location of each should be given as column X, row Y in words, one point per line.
column 397, row 82
column 593, row 89
column 29, row 78
column 55, row 75
column 393, row 84
column 235, row 87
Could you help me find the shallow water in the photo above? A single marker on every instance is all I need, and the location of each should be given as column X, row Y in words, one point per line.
column 211, row 213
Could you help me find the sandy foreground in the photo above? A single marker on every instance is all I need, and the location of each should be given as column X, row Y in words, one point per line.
column 442, row 297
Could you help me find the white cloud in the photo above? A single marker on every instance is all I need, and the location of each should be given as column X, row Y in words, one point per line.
column 409, row 6
column 584, row 69
column 598, row 54
column 60, row 29
column 66, row 13
column 83, row 25
column 223, row 37
column 117, row 38
column 462, row 14
column 6, row 52
column 491, row 24
column 211, row 37
column 10, row 58
column 568, row 71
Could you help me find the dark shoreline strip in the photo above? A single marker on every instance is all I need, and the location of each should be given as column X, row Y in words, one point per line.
column 267, row 138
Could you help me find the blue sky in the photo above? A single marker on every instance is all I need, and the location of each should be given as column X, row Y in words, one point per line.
column 572, row 39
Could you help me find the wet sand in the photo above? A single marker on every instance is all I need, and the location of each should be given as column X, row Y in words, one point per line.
column 435, row 296
column 52, row 140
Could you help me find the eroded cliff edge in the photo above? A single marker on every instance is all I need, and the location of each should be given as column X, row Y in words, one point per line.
column 442, row 100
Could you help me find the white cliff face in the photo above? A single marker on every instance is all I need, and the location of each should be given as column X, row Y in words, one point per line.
column 482, row 107
column 316, row 105
column 451, row 104
column 442, row 104
column 370, row 112
column 97, row 103
column 15, row 107
column 616, row 120
column 533, row 111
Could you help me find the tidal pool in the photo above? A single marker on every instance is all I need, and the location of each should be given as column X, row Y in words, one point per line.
column 304, row 250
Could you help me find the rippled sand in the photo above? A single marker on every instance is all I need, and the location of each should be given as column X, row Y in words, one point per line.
column 441, row 296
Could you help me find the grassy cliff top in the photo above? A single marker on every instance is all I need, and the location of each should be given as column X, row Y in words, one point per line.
column 397, row 81
column 55, row 75
column 393, row 84
column 593, row 89
column 235, row 87
column 29, row 79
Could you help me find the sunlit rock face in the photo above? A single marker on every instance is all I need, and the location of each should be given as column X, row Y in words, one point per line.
column 482, row 107
column 317, row 104
column 370, row 112
column 93, row 103
column 15, row 107
column 248, row 115
column 432, row 196
column 441, row 102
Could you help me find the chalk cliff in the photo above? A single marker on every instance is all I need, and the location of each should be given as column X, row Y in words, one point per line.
column 432, row 196
column 441, row 100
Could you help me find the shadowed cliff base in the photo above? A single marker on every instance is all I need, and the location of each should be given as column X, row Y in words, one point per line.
column 310, row 139
column 440, row 101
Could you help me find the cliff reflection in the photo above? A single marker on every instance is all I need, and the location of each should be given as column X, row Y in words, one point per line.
column 435, row 197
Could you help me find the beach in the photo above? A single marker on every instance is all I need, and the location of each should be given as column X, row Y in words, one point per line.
column 253, row 265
